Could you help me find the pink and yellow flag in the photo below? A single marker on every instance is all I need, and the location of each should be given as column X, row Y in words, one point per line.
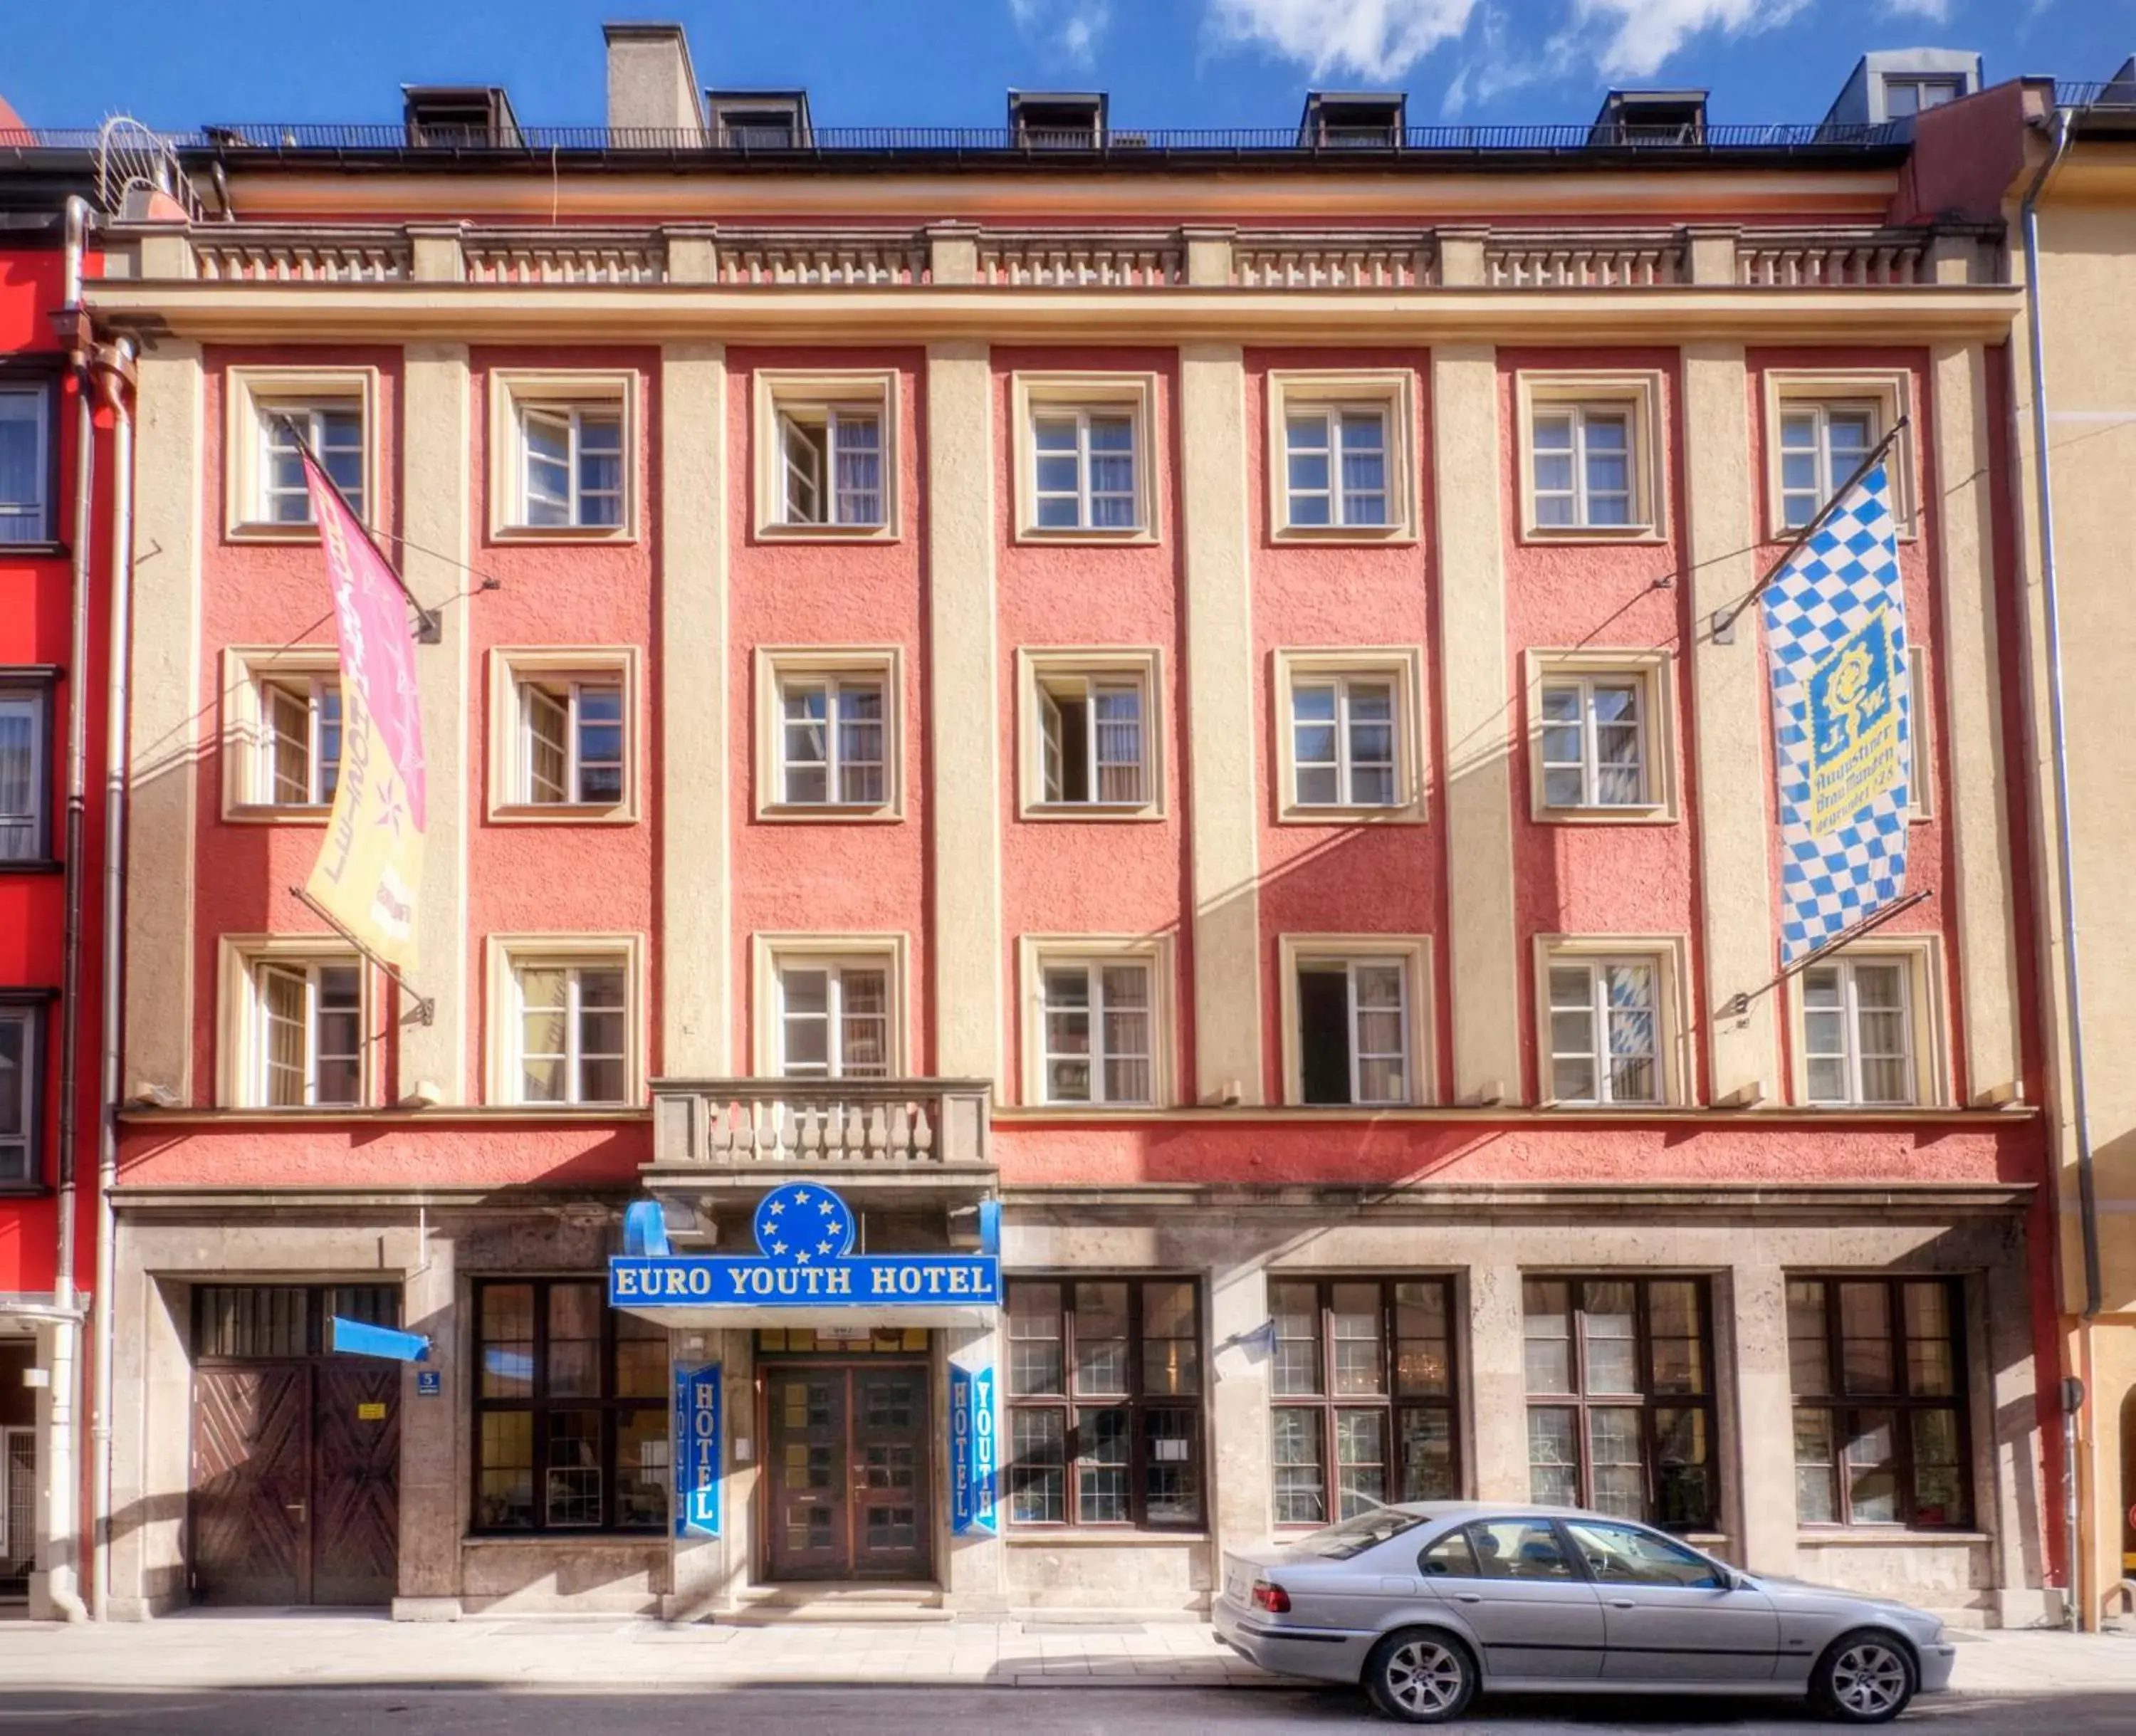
column 371, row 864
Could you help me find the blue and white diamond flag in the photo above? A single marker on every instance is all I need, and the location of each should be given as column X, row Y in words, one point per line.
column 1835, row 631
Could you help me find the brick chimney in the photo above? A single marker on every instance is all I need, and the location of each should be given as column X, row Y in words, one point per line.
column 651, row 85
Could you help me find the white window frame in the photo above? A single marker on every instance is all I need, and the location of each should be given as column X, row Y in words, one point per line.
column 1601, row 1053
column 1079, row 396
column 1588, row 767
column 1668, row 958
column 1637, row 397
column 1410, row 955
column 308, row 975
column 783, row 396
column 311, row 691
column 834, row 420
column 1391, row 393
column 773, row 954
column 1829, row 474
column 244, row 1063
column 1094, row 954
column 1653, row 673
column 30, row 1141
column 1400, row 668
column 254, row 395
column 535, row 693
column 1888, row 392
column 34, row 700
column 38, row 510
column 828, row 666
column 1952, row 84
column 516, row 673
column 834, row 685
column 1042, row 670
column 572, row 418
column 508, row 955
column 248, row 730
column 515, row 394
column 1333, row 446
column 1921, row 960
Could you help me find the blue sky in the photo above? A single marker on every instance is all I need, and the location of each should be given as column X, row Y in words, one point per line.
column 947, row 62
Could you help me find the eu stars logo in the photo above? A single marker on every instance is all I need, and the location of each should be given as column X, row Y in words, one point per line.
column 801, row 1224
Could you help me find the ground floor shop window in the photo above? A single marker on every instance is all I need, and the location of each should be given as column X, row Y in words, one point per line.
column 1363, row 1385
column 570, row 1411
column 1104, row 1407
column 1878, row 1367
column 1620, row 1396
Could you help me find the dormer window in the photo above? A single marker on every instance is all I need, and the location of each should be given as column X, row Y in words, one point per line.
column 1651, row 117
column 1057, row 121
column 1361, row 119
column 459, row 116
column 759, row 120
column 1906, row 97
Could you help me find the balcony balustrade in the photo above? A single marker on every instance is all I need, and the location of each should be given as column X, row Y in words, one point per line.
column 1825, row 259
column 259, row 254
column 904, row 1133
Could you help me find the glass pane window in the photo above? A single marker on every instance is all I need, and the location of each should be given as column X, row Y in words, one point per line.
column 1092, row 740
column 306, row 1035
column 25, row 463
column 571, row 751
column 1858, row 1032
column 1084, row 470
column 831, row 467
column 1104, row 1424
column 1877, row 1377
column 834, row 1020
column 298, row 763
column 1096, row 1018
column 571, row 474
column 1619, row 1398
column 1363, row 1377
column 574, row 1032
column 1344, row 752
column 1335, row 467
column 19, row 1094
column 25, row 775
column 335, row 434
column 833, row 742
column 1593, row 740
column 571, row 1419
column 1580, row 476
column 1604, row 1032
column 1821, row 446
column 1354, row 1041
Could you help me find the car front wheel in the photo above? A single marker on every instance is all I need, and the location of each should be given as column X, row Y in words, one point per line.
column 1862, row 1678
column 1420, row 1677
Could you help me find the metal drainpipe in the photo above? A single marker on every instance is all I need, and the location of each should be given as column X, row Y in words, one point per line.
column 115, row 364
column 2051, row 596
column 65, row 1506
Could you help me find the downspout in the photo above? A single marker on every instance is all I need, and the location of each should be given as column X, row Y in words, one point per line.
column 115, row 364
column 65, row 1506
column 2065, row 887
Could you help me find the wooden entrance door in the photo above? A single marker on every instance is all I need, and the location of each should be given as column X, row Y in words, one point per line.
column 849, row 1471
column 296, row 1483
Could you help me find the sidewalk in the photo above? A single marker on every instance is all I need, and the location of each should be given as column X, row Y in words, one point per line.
column 203, row 1649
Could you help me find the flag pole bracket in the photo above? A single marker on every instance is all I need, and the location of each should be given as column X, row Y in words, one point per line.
column 424, row 1008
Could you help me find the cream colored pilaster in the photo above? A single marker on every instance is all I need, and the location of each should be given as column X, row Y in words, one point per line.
column 433, row 1449
column 964, row 713
column 1971, row 679
column 1243, row 1473
column 163, row 732
column 1482, row 946
column 1219, row 678
column 691, row 713
column 1730, row 717
column 433, row 511
column 1762, row 1498
column 1497, row 1450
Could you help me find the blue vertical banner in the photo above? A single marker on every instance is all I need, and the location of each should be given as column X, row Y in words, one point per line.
column 971, row 1451
column 698, row 1449
column 1835, row 632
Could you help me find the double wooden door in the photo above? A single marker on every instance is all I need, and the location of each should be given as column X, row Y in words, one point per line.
column 849, row 1469
column 295, row 1483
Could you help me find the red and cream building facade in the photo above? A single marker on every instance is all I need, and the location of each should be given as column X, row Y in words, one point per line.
column 1174, row 688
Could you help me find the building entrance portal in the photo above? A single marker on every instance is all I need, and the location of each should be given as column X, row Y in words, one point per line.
column 848, row 1470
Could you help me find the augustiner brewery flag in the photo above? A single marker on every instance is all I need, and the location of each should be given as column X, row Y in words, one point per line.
column 1835, row 631
column 371, row 864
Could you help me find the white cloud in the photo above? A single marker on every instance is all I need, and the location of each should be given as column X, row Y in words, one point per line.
column 1069, row 28
column 1936, row 11
column 1639, row 36
column 1494, row 63
column 1373, row 39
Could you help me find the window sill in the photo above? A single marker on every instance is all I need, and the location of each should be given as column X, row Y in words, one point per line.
column 1101, row 1111
column 1368, row 535
column 23, row 1190
column 564, row 1537
column 1626, row 533
column 1871, row 1108
column 1643, row 814
column 1097, row 813
column 827, row 814
column 619, row 534
column 1085, row 535
column 40, row 551
column 263, row 814
column 1870, row 1537
column 561, row 814
column 33, row 865
column 271, row 533
column 827, row 533
column 1095, row 1538
column 1557, row 1106
column 1411, row 814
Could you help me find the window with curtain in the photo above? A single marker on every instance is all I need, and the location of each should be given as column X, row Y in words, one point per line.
column 1605, row 1031
column 1336, row 467
column 833, row 1018
column 831, row 465
column 26, row 463
column 1362, row 1390
column 571, row 467
column 1093, row 750
column 1594, row 742
column 300, row 731
column 335, row 434
column 571, row 743
column 1621, row 1398
column 574, row 1028
column 1878, row 1374
column 1343, row 743
column 1098, row 1030
column 1581, row 457
column 22, row 1031
column 570, row 1409
column 833, row 744
column 1354, row 1042
column 24, row 775
column 1821, row 444
column 1083, row 464
column 1857, row 1032
column 306, row 1033
column 1104, row 1404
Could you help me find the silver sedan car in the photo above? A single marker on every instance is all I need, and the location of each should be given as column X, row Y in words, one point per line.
column 1429, row 1604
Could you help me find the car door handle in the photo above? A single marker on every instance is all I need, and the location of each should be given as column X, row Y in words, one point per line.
column 1467, row 1597
column 1622, row 1604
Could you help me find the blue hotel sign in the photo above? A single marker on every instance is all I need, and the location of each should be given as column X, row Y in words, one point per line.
column 697, row 1451
column 804, row 1259
column 971, row 1449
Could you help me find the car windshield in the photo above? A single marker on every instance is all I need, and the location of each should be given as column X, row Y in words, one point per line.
column 1354, row 1536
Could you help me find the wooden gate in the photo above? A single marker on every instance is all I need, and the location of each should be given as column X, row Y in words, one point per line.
column 849, row 1471
column 252, row 1456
